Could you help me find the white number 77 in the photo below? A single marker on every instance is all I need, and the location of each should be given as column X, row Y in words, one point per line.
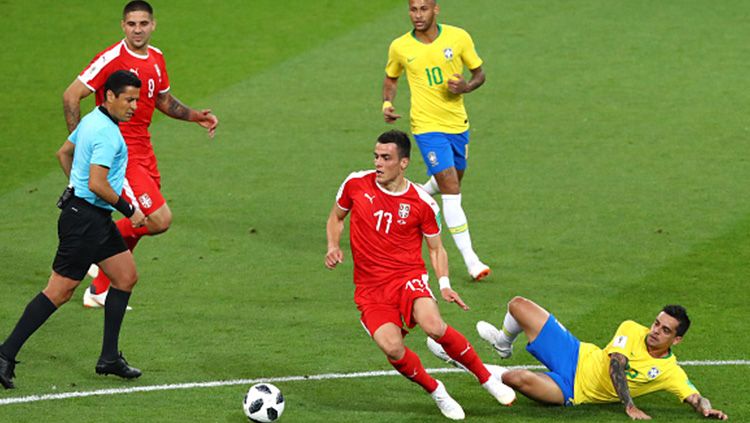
column 389, row 218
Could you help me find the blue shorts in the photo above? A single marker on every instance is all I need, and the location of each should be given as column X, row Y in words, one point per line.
column 557, row 349
column 441, row 151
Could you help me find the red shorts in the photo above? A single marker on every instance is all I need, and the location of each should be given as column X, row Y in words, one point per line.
column 391, row 302
column 142, row 186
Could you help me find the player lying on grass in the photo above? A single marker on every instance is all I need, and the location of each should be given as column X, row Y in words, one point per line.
column 636, row 362
column 390, row 217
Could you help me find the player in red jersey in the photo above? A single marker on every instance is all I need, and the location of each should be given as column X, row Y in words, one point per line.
column 143, row 181
column 389, row 217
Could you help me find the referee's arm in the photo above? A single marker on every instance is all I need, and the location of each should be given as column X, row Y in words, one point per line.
column 65, row 156
column 99, row 185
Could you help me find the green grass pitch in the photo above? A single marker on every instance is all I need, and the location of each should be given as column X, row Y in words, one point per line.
column 608, row 176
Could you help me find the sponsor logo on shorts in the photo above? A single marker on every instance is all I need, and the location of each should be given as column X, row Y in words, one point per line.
column 448, row 53
column 432, row 158
column 145, row 201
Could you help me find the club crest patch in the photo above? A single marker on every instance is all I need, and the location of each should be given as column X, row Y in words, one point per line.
column 432, row 158
column 145, row 201
column 403, row 210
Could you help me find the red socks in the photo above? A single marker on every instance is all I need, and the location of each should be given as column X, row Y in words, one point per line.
column 131, row 236
column 459, row 349
column 411, row 367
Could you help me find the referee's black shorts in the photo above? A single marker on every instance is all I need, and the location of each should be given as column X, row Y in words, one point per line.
column 87, row 235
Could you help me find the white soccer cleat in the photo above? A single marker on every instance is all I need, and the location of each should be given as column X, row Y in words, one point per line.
column 93, row 271
column 479, row 271
column 447, row 405
column 491, row 334
column 503, row 393
column 440, row 353
column 91, row 300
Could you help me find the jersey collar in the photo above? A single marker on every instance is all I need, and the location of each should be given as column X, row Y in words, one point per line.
column 106, row 113
column 132, row 53
column 414, row 32
column 395, row 194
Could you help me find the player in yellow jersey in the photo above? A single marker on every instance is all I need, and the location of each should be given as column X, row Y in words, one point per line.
column 636, row 362
column 433, row 57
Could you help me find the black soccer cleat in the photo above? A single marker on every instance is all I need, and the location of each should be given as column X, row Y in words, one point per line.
column 7, row 374
column 117, row 367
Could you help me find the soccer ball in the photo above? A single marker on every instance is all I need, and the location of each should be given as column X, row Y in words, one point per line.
column 263, row 403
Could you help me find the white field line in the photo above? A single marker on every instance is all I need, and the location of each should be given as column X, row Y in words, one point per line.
column 326, row 376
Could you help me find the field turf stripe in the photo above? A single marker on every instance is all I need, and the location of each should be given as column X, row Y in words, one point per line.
column 324, row 376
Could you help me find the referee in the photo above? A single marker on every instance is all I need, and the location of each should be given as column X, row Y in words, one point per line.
column 94, row 157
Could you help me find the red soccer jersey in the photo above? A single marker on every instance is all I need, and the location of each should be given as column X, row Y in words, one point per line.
column 151, row 70
column 386, row 228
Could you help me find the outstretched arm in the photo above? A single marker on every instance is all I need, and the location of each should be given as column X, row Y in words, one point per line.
column 617, row 365
column 439, row 260
column 334, row 228
column 172, row 107
column 703, row 406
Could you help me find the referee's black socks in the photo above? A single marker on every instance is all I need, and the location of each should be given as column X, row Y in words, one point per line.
column 37, row 312
column 114, row 312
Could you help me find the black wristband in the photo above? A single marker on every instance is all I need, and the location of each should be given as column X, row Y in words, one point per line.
column 124, row 207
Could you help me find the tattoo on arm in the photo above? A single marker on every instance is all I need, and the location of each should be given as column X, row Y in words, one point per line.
column 72, row 116
column 173, row 107
column 617, row 364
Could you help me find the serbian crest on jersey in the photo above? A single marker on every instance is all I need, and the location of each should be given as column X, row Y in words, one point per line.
column 145, row 201
column 403, row 210
column 653, row 373
column 448, row 53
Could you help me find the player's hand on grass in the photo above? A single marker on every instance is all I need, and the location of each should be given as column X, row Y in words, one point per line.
column 457, row 84
column 390, row 115
column 714, row 414
column 334, row 256
column 452, row 297
column 138, row 219
column 636, row 413
column 208, row 120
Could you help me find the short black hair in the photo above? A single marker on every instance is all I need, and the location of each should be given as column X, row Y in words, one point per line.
column 402, row 141
column 119, row 80
column 679, row 313
column 137, row 6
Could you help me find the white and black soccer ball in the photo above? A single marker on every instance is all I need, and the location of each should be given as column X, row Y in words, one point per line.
column 263, row 403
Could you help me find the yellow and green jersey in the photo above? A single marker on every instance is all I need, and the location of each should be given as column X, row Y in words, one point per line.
column 428, row 69
column 644, row 373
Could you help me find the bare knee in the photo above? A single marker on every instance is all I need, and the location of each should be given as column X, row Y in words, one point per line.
column 161, row 225
column 58, row 297
column 517, row 379
column 516, row 304
column 433, row 326
column 393, row 349
column 126, row 281
column 60, row 290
